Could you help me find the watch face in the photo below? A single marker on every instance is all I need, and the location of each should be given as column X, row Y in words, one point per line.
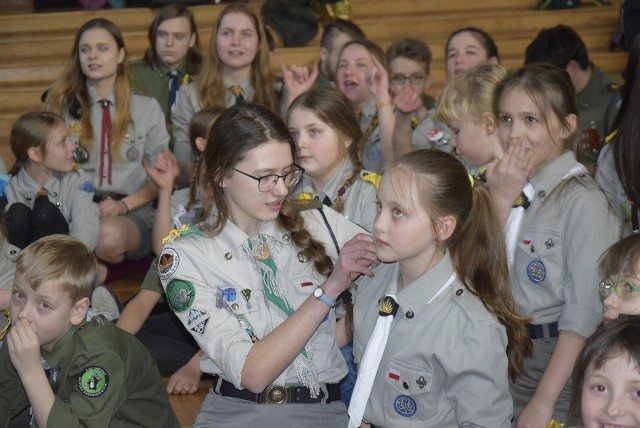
column 318, row 292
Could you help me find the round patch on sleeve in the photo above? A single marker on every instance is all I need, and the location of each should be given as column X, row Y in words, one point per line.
column 167, row 263
column 180, row 295
column 87, row 186
column 93, row 381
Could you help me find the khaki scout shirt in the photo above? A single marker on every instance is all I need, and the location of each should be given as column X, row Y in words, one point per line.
column 445, row 362
column 146, row 137
column 563, row 234
column 101, row 376
column 195, row 267
column 359, row 198
column 597, row 102
column 71, row 192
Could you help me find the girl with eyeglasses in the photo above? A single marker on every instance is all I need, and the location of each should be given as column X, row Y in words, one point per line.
column 256, row 283
column 620, row 287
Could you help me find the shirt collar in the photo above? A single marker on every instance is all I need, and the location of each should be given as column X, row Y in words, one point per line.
column 423, row 289
column 547, row 177
column 332, row 186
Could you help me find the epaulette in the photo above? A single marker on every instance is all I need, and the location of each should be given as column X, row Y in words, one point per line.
column 371, row 177
column 611, row 136
column 185, row 230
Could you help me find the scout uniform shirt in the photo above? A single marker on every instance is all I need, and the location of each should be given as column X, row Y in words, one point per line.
column 215, row 288
column 8, row 256
column 371, row 151
column 555, row 274
column 188, row 104
column 607, row 178
column 146, row 137
column 597, row 102
column 445, row 361
column 71, row 192
column 100, row 375
column 359, row 198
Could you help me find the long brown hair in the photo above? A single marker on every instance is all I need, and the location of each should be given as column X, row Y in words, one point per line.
column 211, row 90
column 476, row 245
column 333, row 108
column 238, row 130
column 71, row 86
column 31, row 130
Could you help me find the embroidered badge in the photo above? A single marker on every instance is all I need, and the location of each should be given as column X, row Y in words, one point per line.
column 422, row 382
column 86, row 186
column 132, row 154
column 435, row 134
column 229, row 294
column 549, row 243
column 180, row 295
column 405, row 406
column 93, row 381
column 388, row 307
column 394, row 374
column 536, row 271
column 303, row 257
column 198, row 321
column 167, row 263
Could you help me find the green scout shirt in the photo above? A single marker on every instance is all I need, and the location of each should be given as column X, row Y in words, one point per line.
column 101, row 376
column 153, row 80
column 597, row 102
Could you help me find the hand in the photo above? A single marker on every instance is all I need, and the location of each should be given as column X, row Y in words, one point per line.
column 186, row 380
column 356, row 258
column 111, row 208
column 508, row 175
column 297, row 79
column 408, row 100
column 378, row 81
column 24, row 347
column 535, row 415
column 164, row 170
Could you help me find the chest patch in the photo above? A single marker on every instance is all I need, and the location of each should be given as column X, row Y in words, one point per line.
column 536, row 271
column 405, row 406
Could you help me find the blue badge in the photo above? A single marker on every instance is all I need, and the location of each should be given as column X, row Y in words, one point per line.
column 132, row 154
column 536, row 271
column 229, row 294
column 405, row 406
column 87, row 186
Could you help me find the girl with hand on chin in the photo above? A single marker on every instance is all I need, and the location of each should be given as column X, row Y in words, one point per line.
column 113, row 130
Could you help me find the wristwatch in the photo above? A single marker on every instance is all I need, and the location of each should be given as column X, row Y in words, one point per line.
column 320, row 294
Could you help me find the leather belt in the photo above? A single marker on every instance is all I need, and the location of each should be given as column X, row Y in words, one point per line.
column 541, row 331
column 276, row 394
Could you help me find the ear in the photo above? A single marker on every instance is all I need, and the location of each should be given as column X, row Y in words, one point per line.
column 445, row 227
column 490, row 123
column 79, row 311
column 324, row 54
column 494, row 59
column 192, row 40
column 201, row 143
column 121, row 54
column 347, row 143
column 571, row 124
column 35, row 154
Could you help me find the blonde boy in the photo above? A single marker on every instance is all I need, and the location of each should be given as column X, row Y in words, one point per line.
column 72, row 372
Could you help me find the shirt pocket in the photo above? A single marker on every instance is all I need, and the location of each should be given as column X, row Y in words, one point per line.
column 408, row 390
column 539, row 260
column 133, row 147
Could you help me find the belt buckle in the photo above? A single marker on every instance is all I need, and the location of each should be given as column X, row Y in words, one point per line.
column 276, row 394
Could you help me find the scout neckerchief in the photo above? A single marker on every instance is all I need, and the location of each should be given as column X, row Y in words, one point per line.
column 174, row 84
column 105, row 140
column 237, row 91
column 279, row 307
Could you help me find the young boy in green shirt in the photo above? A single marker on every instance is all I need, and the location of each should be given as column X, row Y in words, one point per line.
column 72, row 372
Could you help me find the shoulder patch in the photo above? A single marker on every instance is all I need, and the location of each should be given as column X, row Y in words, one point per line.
column 93, row 381
column 168, row 262
column 371, row 177
column 180, row 295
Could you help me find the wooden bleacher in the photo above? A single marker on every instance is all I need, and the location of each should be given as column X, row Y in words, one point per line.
column 34, row 46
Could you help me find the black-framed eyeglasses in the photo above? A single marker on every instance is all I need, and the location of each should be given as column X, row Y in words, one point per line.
column 266, row 183
column 624, row 289
column 401, row 79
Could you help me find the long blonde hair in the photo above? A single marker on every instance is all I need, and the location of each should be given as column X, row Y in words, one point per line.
column 70, row 88
column 211, row 89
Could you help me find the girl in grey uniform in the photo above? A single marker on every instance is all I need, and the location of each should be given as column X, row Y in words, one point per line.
column 236, row 69
column 565, row 228
column 256, row 283
column 47, row 194
column 115, row 131
column 326, row 131
column 456, row 336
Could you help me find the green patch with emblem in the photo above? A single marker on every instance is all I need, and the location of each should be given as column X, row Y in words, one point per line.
column 93, row 381
column 180, row 295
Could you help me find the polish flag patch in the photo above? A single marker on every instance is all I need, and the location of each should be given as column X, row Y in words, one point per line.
column 394, row 374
